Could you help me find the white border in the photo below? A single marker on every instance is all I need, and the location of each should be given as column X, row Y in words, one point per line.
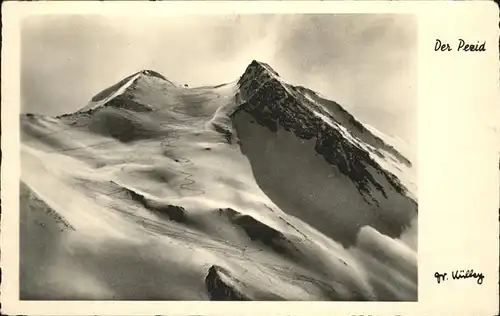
column 458, row 161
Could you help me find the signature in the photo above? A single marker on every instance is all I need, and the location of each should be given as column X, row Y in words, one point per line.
column 459, row 275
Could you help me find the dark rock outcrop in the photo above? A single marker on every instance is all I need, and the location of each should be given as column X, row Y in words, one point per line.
column 173, row 212
column 258, row 231
column 271, row 104
column 218, row 284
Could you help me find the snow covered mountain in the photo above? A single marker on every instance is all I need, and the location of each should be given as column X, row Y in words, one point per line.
column 250, row 190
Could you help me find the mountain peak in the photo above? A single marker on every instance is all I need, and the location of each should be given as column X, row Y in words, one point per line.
column 256, row 68
column 152, row 73
column 256, row 75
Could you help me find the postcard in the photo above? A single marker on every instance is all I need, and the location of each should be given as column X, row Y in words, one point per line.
column 253, row 157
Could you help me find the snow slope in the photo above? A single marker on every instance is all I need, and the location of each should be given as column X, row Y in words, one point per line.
column 251, row 190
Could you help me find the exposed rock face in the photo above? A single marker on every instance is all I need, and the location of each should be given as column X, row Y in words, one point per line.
column 344, row 118
column 272, row 103
column 173, row 212
column 258, row 231
column 221, row 286
column 353, row 153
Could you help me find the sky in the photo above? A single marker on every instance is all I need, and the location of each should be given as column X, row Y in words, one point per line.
column 365, row 62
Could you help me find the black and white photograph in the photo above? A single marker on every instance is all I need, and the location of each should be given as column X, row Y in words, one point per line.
column 222, row 157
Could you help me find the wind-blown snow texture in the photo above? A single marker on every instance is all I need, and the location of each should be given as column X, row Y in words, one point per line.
column 251, row 190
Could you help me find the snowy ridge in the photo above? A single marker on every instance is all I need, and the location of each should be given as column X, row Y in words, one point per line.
column 95, row 104
column 394, row 141
column 359, row 129
column 387, row 161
